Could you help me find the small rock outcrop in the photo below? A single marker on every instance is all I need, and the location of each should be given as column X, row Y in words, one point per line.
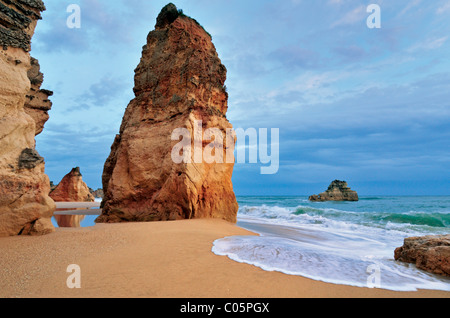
column 429, row 253
column 37, row 103
column 97, row 193
column 72, row 189
column 25, row 206
column 179, row 84
column 337, row 191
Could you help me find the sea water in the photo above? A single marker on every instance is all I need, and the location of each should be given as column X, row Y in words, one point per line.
column 87, row 220
column 349, row 243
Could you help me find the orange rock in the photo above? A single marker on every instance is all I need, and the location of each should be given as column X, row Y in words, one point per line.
column 72, row 189
column 25, row 207
column 179, row 82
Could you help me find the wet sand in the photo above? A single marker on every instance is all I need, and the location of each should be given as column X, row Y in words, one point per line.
column 153, row 260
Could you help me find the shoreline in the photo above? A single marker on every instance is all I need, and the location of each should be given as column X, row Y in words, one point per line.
column 154, row 260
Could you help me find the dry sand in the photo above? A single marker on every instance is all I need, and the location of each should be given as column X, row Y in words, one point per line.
column 163, row 260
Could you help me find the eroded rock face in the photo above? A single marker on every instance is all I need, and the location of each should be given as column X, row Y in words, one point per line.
column 72, row 188
column 178, row 83
column 25, row 207
column 429, row 253
column 337, row 191
column 18, row 21
column 37, row 103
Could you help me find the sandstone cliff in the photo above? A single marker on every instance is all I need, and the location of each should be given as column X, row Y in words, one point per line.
column 37, row 104
column 178, row 83
column 430, row 253
column 25, row 207
column 337, row 191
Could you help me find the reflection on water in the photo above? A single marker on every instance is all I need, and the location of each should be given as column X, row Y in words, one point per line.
column 69, row 220
column 76, row 214
column 74, row 221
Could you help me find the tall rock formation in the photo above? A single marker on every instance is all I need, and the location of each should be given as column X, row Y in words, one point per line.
column 72, row 188
column 37, row 103
column 25, row 207
column 337, row 191
column 179, row 84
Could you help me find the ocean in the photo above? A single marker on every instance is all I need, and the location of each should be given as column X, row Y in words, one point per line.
column 348, row 243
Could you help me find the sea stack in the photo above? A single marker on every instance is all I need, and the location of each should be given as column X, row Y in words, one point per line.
column 25, row 206
column 72, row 189
column 179, row 84
column 337, row 191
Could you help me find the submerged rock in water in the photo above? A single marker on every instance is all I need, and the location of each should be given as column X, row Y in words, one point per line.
column 429, row 253
column 25, row 207
column 337, row 191
column 179, row 84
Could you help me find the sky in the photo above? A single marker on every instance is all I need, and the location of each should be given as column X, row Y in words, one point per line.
column 367, row 105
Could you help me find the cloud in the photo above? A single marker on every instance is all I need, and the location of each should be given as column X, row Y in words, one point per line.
column 444, row 8
column 102, row 24
column 411, row 4
column 334, row 2
column 352, row 53
column 349, row 102
column 429, row 44
column 354, row 16
column 293, row 57
column 102, row 93
column 65, row 147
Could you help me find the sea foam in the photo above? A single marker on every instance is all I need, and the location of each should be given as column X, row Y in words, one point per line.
column 337, row 243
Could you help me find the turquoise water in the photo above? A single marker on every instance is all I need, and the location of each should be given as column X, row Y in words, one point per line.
column 349, row 243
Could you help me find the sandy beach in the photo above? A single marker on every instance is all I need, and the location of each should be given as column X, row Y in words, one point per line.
column 153, row 260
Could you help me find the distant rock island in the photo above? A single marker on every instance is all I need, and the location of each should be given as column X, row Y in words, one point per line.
column 337, row 191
